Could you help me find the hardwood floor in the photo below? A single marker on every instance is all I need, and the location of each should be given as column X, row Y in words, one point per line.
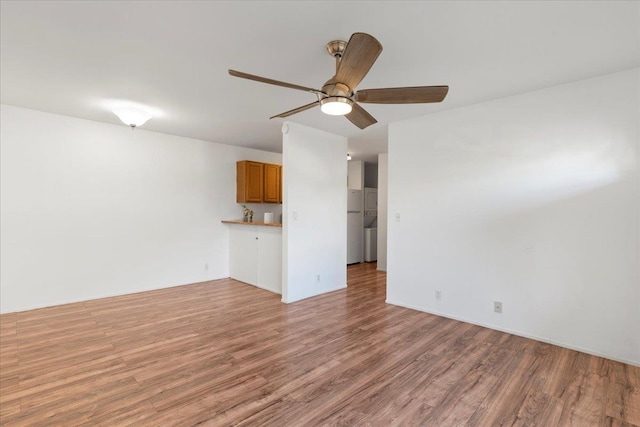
column 225, row 353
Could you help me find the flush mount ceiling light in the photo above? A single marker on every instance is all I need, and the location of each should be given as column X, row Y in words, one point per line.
column 336, row 105
column 132, row 116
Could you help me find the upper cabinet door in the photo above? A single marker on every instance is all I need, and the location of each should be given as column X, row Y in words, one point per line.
column 272, row 188
column 250, row 181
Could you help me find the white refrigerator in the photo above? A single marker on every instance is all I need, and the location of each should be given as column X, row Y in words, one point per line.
column 355, row 228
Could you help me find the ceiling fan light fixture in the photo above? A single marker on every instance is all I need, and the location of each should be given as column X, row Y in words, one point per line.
column 131, row 116
column 336, row 105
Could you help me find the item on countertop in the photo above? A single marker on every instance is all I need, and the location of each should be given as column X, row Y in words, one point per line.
column 247, row 214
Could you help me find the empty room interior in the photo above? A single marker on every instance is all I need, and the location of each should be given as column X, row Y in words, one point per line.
column 191, row 234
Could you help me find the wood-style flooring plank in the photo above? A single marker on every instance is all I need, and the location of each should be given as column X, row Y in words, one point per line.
column 225, row 353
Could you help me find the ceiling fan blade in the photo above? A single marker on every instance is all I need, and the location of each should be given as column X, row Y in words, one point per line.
column 403, row 95
column 361, row 52
column 297, row 110
column 242, row 75
column 360, row 117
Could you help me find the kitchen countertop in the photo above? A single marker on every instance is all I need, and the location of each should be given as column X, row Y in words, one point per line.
column 239, row 221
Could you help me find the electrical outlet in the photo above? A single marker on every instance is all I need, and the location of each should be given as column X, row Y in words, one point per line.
column 438, row 296
column 497, row 307
column 206, row 267
column 295, row 216
column 318, row 278
column 397, row 216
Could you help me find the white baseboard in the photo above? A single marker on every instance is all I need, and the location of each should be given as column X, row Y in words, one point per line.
column 518, row 333
column 315, row 294
column 103, row 296
column 266, row 289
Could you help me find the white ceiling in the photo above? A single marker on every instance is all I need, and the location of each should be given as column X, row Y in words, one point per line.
column 82, row 58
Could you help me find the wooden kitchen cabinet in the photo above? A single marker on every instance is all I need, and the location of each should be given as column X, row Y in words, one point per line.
column 249, row 181
column 258, row 182
column 272, row 188
column 281, row 191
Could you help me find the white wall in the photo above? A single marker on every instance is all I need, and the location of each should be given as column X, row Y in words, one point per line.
column 531, row 200
column 383, row 162
column 315, row 212
column 259, row 209
column 90, row 210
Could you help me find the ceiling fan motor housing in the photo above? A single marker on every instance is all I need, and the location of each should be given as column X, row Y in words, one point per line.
column 331, row 88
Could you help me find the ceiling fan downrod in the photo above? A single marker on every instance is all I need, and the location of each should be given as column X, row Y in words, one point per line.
column 335, row 49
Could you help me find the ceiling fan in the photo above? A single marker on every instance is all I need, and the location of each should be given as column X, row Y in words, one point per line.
column 338, row 95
